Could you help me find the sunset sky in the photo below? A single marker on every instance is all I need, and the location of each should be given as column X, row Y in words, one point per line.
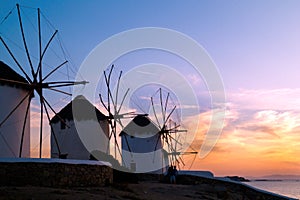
column 255, row 46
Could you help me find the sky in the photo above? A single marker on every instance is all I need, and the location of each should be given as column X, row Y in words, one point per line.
column 255, row 46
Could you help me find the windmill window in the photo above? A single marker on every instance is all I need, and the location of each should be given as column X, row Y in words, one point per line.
column 62, row 125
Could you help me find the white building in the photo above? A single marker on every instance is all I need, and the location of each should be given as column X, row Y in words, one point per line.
column 69, row 141
column 12, row 91
column 142, row 146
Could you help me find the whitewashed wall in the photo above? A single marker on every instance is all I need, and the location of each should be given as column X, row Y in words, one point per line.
column 141, row 154
column 11, row 130
column 142, row 157
column 75, row 145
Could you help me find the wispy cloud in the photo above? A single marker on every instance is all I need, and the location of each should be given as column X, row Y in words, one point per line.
column 276, row 99
column 261, row 127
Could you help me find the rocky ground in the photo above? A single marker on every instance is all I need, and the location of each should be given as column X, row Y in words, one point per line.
column 189, row 188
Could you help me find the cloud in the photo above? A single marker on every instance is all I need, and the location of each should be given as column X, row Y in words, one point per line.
column 273, row 122
column 195, row 79
column 261, row 127
column 275, row 99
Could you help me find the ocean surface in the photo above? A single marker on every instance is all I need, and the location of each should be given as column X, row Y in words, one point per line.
column 289, row 188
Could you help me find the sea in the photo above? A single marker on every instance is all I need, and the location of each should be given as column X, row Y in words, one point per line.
column 285, row 187
column 289, row 188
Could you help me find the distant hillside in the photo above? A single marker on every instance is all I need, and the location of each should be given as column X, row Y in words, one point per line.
column 277, row 177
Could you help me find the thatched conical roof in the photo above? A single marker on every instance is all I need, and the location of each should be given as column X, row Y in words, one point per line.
column 84, row 105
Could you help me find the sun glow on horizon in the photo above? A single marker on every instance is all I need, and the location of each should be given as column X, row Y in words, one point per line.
column 254, row 142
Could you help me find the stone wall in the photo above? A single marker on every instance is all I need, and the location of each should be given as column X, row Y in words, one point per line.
column 54, row 174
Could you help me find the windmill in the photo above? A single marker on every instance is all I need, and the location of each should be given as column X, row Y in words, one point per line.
column 113, row 108
column 168, row 121
column 37, row 81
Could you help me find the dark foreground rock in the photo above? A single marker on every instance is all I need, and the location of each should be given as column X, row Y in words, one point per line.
column 238, row 178
column 54, row 174
column 190, row 187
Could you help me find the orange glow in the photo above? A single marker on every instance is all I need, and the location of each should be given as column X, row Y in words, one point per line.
column 268, row 143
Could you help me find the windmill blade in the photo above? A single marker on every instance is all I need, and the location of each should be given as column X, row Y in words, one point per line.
column 177, row 142
column 9, row 13
column 55, row 69
column 110, row 72
column 23, row 129
column 180, row 160
column 102, row 102
column 13, row 81
column 123, row 99
column 48, row 43
column 178, row 131
column 24, row 40
column 175, row 127
column 40, row 45
column 154, row 112
column 111, row 133
column 60, row 91
column 107, row 82
column 52, row 129
column 108, row 96
column 177, row 138
column 161, row 106
column 44, row 51
column 170, row 114
column 174, row 154
column 56, row 84
column 120, row 122
column 127, row 113
column 190, row 152
column 193, row 161
column 56, row 114
column 7, row 144
column 15, row 108
column 166, row 102
column 177, row 158
column 117, row 92
column 16, row 61
column 41, row 124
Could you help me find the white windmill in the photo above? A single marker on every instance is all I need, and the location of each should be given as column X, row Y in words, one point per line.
column 15, row 104
column 172, row 136
column 113, row 105
column 154, row 141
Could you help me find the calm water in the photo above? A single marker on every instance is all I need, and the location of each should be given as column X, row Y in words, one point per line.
column 286, row 188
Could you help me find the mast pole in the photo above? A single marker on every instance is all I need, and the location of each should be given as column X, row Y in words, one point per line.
column 40, row 81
